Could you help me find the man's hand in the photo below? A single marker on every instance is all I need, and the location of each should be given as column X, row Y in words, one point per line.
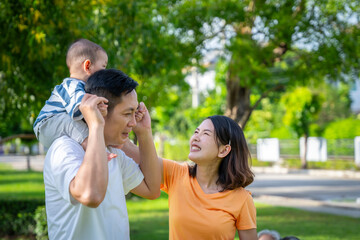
column 90, row 109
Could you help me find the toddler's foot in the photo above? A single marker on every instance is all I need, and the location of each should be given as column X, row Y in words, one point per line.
column 109, row 155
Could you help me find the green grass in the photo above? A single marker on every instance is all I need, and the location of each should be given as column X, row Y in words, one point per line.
column 306, row 225
column 21, row 184
column 149, row 218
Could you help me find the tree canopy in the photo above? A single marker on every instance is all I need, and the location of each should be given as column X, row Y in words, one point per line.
column 266, row 46
column 271, row 45
column 35, row 41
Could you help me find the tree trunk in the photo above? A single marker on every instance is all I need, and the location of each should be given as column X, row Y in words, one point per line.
column 238, row 98
column 303, row 159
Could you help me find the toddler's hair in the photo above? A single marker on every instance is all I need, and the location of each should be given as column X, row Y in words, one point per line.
column 80, row 50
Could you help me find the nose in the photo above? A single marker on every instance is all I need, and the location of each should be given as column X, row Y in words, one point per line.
column 194, row 138
column 132, row 122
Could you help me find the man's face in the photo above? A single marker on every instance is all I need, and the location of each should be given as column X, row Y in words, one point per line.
column 119, row 123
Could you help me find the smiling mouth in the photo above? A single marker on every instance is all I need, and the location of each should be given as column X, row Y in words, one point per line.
column 195, row 148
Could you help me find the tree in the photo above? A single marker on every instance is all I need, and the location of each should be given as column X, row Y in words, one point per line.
column 272, row 45
column 37, row 34
column 302, row 107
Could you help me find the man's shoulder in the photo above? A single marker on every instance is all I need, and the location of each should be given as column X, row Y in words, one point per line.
column 120, row 153
column 63, row 143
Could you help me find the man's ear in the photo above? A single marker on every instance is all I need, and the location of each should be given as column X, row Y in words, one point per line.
column 224, row 151
column 86, row 66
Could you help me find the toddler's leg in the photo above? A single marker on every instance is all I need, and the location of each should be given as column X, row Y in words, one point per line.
column 59, row 125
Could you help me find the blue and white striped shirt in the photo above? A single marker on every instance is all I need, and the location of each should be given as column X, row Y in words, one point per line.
column 65, row 97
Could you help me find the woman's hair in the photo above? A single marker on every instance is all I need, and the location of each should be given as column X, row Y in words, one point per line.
column 234, row 170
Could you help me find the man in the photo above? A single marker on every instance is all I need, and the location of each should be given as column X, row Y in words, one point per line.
column 84, row 193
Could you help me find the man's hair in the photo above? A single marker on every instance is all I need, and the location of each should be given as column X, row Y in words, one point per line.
column 80, row 50
column 234, row 170
column 111, row 84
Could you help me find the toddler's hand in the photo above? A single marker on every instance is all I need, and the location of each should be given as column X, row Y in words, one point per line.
column 109, row 155
column 103, row 108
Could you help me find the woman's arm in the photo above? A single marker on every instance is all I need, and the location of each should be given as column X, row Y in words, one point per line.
column 249, row 234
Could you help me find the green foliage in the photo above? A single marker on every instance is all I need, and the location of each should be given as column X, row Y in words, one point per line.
column 263, row 120
column 283, row 133
column 268, row 47
column 21, row 192
column 178, row 151
column 302, row 107
column 17, row 216
column 137, row 39
column 336, row 164
column 179, row 123
column 32, row 59
column 346, row 128
column 336, row 104
column 272, row 45
column 41, row 229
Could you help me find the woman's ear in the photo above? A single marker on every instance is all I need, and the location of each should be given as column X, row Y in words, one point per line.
column 224, row 150
column 86, row 66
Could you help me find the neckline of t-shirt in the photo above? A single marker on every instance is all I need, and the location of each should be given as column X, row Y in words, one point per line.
column 208, row 195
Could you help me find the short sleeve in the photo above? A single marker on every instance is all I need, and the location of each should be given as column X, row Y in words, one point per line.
column 130, row 171
column 171, row 171
column 247, row 217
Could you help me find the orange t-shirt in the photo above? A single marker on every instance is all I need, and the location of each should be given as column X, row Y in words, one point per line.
column 196, row 215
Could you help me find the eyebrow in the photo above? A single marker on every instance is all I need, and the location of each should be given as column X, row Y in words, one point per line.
column 130, row 109
column 205, row 130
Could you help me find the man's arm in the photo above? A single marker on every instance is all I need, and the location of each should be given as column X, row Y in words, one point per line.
column 90, row 183
column 148, row 159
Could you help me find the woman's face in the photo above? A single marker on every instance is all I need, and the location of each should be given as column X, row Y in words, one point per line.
column 203, row 145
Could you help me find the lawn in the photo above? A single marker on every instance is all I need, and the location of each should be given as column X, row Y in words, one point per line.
column 149, row 219
column 16, row 184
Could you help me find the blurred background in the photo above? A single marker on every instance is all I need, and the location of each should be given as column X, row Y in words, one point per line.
column 281, row 69
column 286, row 70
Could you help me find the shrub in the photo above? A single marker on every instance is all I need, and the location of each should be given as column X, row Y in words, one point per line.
column 41, row 229
column 346, row 128
column 17, row 216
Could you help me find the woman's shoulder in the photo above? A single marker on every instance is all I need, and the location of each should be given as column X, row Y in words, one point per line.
column 241, row 192
column 175, row 167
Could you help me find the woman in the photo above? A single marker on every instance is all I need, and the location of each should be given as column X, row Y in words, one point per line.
column 207, row 200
